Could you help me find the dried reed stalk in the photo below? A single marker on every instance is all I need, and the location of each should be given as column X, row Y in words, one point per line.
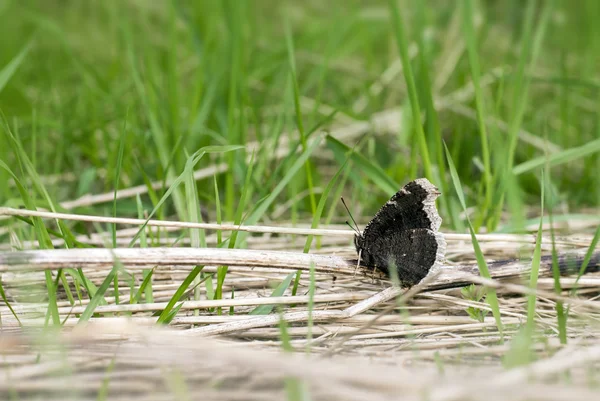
column 451, row 276
column 507, row 238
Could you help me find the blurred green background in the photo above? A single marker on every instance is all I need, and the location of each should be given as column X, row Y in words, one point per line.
column 511, row 87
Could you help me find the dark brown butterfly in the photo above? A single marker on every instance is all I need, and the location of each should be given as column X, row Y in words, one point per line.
column 404, row 234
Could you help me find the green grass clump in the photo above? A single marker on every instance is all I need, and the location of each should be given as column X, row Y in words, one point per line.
column 187, row 75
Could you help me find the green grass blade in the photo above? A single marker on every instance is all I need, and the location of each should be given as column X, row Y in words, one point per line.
column 99, row 295
column 531, row 45
column 366, row 167
column 165, row 314
column 63, row 280
column 491, row 298
column 561, row 316
column 144, row 244
column 171, row 315
column 143, row 288
column 119, row 166
column 471, row 41
column 235, row 16
column 192, row 160
column 402, row 44
column 218, row 210
column 322, row 201
column 433, row 129
column 299, row 118
column 535, row 271
column 290, row 173
column 557, row 159
column 7, row 303
column 231, row 308
column 521, row 81
column 104, row 388
column 40, row 229
column 277, row 292
column 293, row 386
column 246, row 193
column 586, row 261
column 152, row 113
column 589, row 254
column 311, row 304
column 9, row 70
column 197, row 236
column 521, row 350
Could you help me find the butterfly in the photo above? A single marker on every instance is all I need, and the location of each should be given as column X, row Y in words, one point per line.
column 404, row 235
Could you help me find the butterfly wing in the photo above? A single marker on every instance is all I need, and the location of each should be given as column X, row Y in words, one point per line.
column 391, row 232
column 411, row 253
column 413, row 206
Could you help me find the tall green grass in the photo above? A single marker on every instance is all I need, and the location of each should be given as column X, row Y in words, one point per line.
column 198, row 74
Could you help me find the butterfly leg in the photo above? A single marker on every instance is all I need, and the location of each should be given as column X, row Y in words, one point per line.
column 357, row 263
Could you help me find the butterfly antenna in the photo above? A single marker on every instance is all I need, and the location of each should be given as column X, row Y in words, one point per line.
column 352, row 227
column 355, row 228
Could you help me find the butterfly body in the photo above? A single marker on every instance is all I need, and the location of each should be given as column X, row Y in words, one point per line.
column 404, row 235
